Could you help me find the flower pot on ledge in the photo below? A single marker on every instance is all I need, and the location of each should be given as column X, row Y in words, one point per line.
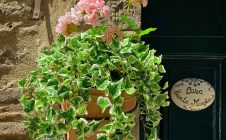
column 106, row 56
column 94, row 112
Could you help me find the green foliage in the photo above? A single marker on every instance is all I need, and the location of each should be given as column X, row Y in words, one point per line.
column 146, row 31
column 73, row 66
column 21, row 83
column 129, row 21
column 103, row 102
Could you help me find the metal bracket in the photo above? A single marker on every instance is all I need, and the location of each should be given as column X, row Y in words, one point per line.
column 37, row 7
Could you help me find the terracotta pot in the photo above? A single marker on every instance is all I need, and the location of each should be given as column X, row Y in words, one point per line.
column 95, row 112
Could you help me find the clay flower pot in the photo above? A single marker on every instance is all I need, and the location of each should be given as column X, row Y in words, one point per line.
column 94, row 111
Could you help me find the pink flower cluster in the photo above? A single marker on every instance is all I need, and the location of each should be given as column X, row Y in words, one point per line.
column 84, row 12
column 64, row 22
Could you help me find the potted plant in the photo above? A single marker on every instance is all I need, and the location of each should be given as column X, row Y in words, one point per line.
column 94, row 67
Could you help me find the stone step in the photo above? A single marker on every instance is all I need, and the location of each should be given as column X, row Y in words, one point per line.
column 11, row 116
column 9, row 95
column 11, row 108
column 13, row 131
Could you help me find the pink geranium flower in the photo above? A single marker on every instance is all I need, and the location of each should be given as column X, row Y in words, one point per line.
column 91, row 18
column 65, row 24
column 90, row 9
column 77, row 15
column 105, row 12
column 84, row 12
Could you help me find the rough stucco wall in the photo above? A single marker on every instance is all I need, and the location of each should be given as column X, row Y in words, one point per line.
column 21, row 38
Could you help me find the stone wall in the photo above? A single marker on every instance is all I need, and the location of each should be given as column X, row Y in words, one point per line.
column 21, row 38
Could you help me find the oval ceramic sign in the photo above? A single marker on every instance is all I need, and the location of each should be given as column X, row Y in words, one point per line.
column 192, row 94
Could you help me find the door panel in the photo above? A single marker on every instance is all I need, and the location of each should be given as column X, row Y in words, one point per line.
column 188, row 45
column 179, row 124
column 191, row 36
column 186, row 18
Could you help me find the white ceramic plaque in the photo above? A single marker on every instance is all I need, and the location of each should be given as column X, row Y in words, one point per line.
column 192, row 94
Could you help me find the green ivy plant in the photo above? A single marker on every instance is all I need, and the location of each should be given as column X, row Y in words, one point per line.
column 75, row 65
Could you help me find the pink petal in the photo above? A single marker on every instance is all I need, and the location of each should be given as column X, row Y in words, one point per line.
column 91, row 19
column 90, row 9
column 105, row 12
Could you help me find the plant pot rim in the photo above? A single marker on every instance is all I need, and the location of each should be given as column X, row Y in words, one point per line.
column 94, row 111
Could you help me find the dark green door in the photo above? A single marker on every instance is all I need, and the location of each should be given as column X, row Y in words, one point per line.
column 191, row 36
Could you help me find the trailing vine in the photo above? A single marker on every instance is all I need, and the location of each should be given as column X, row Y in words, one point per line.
column 104, row 58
